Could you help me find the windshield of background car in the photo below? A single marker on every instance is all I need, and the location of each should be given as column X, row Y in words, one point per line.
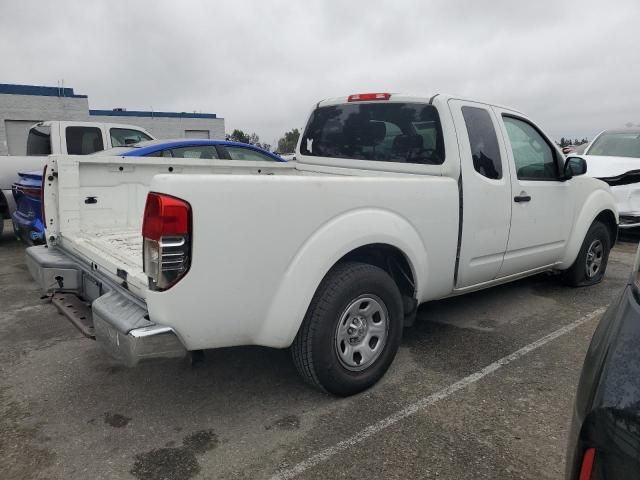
column 39, row 141
column 121, row 137
column 620, row 144
column 384, row 132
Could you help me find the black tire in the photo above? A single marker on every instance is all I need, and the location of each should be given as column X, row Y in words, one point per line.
column 314, row 349
column 577, row 275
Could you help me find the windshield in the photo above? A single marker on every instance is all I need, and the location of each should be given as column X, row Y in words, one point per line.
column 620, row 144
column 121, row 137
column 386, row 132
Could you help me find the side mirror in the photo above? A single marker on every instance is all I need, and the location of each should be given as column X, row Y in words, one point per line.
column 574, row 166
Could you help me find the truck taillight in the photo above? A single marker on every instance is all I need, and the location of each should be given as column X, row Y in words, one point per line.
column 166, row 232
column 586, row 469
column 365, row 97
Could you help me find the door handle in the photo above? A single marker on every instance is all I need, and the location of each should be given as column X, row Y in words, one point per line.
column 523, row 197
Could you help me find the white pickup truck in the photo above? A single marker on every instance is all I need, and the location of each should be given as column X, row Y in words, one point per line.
column 394, row 201
column 60, row 137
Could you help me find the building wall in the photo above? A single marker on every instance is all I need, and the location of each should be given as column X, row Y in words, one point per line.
column 23, row 105
column 163, row 127
column 37, row 108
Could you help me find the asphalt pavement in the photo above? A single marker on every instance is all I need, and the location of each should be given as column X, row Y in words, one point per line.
column 482, row 388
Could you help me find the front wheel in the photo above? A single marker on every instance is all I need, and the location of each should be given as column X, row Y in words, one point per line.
column 591, row 263
column 352, row 330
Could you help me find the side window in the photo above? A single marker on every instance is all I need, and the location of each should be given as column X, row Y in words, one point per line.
column 160, row 153
column 83, row 140
column 534, row 158
column 39, row 141
column 122, row 137
column 240, row 153
column 195, row 151
column 483, row 142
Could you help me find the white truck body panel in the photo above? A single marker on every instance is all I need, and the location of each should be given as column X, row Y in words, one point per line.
column 339, row 214
column 265, row 236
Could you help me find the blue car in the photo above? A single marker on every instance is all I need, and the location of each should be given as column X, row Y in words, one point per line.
column 27, row 219
column 208, row 149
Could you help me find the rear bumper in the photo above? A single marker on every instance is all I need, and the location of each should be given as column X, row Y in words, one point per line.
column 121, row 323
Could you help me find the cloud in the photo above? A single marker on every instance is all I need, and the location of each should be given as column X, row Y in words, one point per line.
column 571, row 65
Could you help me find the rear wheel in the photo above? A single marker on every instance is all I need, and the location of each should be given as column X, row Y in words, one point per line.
column 590, row 265
column 352, row 330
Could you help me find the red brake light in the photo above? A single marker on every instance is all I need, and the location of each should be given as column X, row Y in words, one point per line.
column 166, row 248
column 587, row 464
column 33, row 192
column 165, row 216
column 363, row 97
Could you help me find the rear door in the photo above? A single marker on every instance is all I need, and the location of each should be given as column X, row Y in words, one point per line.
column 486, row 187
column 542, row 203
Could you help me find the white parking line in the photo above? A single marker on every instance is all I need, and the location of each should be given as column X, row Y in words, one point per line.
column 427, row 401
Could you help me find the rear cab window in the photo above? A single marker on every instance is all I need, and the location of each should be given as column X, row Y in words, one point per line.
column 39, row 141
column 383, row 132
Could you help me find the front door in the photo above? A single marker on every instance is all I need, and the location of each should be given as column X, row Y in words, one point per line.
column 542, row 204
column 486, row 193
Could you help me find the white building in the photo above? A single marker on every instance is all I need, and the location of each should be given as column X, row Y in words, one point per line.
column 21, row 106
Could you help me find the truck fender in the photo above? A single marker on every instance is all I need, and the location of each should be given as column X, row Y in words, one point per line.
column 322, row 250
column 596, row 203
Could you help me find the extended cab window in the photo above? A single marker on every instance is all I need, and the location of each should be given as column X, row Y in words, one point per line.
column 384, row 132
column 483, row 142
column 122, row 137
column 83, row 140
column 239, row 153
column 39, row 141
column 534, row 158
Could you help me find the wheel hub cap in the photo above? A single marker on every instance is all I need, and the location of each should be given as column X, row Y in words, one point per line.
column 595, row 256
column 361, row 333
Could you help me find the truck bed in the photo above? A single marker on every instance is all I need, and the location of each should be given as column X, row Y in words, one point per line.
column 95, row 209
column 121, row 249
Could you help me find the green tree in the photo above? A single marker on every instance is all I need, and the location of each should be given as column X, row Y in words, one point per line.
column 239, row 136
column 250, row 138
column 287, row 144
column 254, row 139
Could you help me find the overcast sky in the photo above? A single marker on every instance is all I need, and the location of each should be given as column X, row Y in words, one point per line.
column 574, row 66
